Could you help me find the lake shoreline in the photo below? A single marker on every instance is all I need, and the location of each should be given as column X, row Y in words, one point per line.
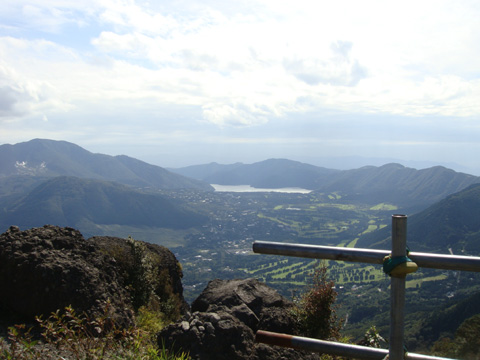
column 248, row 188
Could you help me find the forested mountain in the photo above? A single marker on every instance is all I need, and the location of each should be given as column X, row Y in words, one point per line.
column 71, row 201
column 271, row 173
column 49, row 158
column 451, row 223
column 202, row 172
column 399, row 185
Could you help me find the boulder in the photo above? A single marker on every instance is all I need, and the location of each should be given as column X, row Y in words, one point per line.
column 48, row 268
column 226, row 316
column 249, row 300
column 205, row 335
column 251, row 292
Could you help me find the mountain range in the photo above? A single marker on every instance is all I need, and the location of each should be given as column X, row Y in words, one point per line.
column 271, row 173
column 393, row 183
column 46, row 181
column 56, row 182
column 49, row 158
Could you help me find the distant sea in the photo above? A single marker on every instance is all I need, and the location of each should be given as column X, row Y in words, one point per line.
column 248, row 188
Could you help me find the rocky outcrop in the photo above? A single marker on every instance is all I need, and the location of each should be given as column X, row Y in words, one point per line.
column 224, row 320
column 49, row 268
column 165, row 268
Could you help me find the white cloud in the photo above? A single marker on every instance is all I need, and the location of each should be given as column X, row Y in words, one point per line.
column 337, row 69
column 245, row 64
column 336, row 44
column 223, row 114
column 48, row 16
column 20, row 95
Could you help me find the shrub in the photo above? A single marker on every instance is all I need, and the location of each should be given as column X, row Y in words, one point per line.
column 315, row 310
column 372, row 338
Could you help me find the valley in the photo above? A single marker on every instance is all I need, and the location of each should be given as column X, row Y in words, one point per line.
column 222, row 248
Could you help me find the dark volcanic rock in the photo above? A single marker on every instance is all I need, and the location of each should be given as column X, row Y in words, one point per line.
column 217, row 335
column 49, row 268
column 249, row 300
column 224, row 321
column 46, row 269
column 166, row 266
column 256, row 295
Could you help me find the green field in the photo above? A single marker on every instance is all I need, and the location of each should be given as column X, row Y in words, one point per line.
column 384, row 207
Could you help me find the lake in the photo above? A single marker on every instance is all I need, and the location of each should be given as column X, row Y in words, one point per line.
column 248, row 188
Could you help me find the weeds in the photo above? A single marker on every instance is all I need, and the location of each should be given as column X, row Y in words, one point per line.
column 21, row 344
column 67, row 335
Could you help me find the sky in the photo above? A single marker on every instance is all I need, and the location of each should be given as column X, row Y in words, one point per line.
column 185, row 82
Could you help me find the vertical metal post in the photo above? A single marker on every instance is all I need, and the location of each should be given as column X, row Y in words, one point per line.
column 397, row 294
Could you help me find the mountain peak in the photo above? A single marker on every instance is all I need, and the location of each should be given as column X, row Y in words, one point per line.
column 56, row 158
column 393, row 166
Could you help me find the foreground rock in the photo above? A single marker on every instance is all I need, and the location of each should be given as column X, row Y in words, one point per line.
column 166, row 272
column 224, row 320
column 49, row 268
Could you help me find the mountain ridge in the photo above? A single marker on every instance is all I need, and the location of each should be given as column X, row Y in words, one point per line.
column 273, row 173
column 398, row 184
column 50, row 158
column 394, row 183
column 270, row 173
column 408, row 189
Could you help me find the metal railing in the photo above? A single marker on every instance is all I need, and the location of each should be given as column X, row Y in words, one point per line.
column 397, row 292
column 330, row 347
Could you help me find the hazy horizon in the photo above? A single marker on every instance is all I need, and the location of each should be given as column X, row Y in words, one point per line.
column 188, row 82
column 338, row 163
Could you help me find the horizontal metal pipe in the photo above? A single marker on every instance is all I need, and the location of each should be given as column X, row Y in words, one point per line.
column 320, row 252
column 372, row 256
column 330, row 347
column 320, row 346
column 446, row 262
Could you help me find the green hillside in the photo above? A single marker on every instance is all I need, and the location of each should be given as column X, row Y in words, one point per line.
column 70, row 201
column 449, row 225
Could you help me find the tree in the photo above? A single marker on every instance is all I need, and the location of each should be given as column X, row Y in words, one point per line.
column 468, row 337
